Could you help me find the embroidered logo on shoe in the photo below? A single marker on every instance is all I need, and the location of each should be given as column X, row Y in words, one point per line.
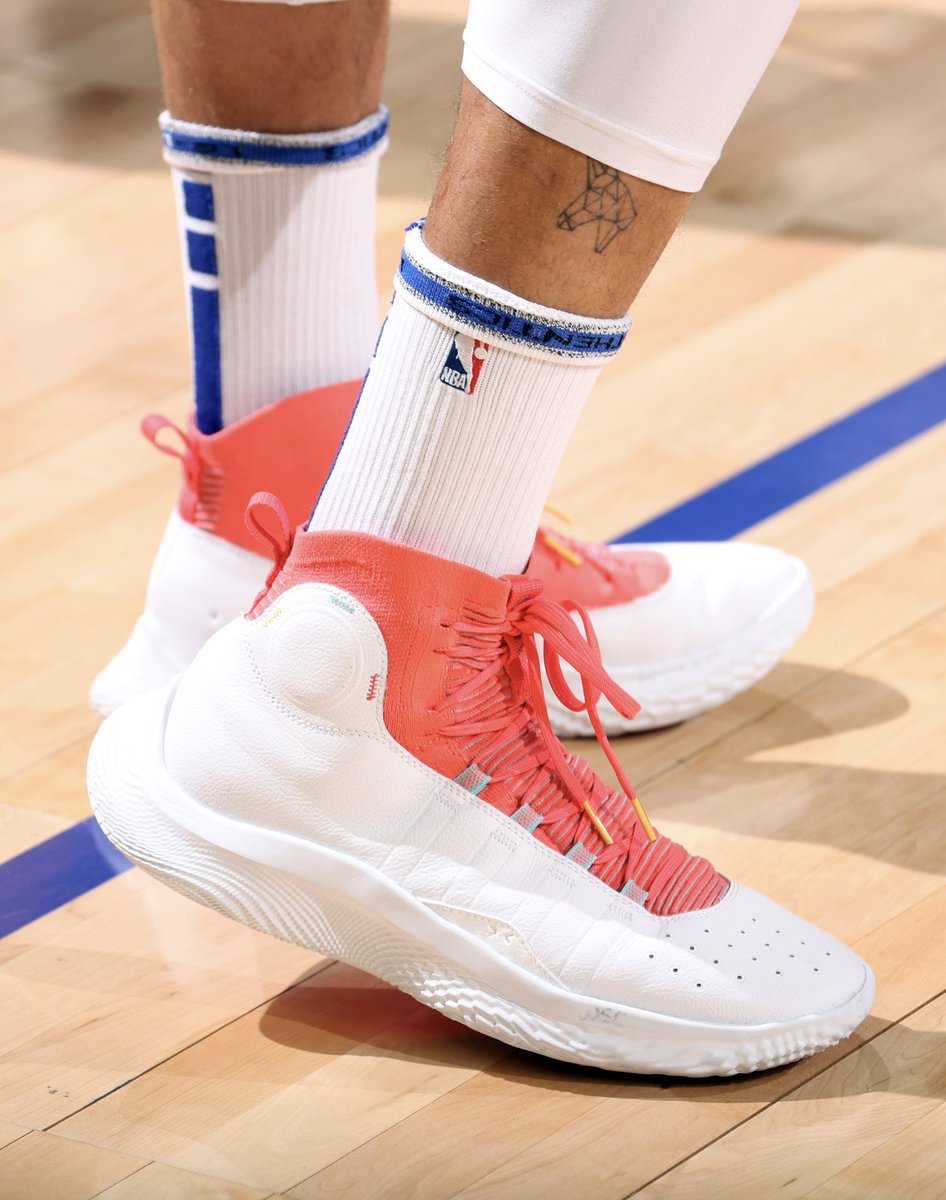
column 464, row 363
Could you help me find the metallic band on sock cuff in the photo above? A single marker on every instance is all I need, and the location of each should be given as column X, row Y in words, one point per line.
column 486, row 311
column 206, row 147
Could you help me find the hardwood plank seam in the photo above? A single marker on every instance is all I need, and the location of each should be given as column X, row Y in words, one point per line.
column 877, row 928
column 120, row 413
column 804, row 690
column 44, row 758
column 778, row 1100
column 923, row 1116
column 183, row 1050
column 130, row 1175
column 408, row 1117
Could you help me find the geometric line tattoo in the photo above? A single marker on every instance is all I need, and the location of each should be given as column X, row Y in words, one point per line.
column 606, row 202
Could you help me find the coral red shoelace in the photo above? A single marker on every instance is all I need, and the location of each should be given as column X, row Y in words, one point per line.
column 508, row 721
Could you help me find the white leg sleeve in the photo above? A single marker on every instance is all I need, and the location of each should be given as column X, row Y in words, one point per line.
column 651, row 87
column 293, row 2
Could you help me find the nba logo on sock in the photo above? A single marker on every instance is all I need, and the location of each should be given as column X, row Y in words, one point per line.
column 464, row 363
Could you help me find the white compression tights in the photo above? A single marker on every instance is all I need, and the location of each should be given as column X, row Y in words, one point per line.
column 651, row 87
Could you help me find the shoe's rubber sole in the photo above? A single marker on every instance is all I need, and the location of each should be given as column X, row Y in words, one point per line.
column 319, row 898
column 672, row 690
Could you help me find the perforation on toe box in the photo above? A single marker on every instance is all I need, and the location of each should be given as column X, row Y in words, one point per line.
column 748, row 957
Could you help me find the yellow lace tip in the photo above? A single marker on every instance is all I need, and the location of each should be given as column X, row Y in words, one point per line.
column 563, row 550
column 644, row 819
column 596, row 821
column 558, row 513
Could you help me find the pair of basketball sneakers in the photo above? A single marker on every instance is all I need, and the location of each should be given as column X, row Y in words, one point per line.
column 364, row 760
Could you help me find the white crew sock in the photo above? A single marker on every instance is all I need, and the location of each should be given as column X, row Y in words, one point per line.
column 464, row 416
column 277, row 239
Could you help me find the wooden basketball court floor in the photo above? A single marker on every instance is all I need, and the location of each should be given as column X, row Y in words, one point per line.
column 151, row 1049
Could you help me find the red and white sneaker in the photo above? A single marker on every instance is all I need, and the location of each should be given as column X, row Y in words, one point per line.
column 684, row 627
column 364, row 765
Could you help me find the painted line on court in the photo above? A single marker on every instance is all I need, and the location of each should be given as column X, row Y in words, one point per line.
column 70, row 863
column 54, row 872
column 802, row 469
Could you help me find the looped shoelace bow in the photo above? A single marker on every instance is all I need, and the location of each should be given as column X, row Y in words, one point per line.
column 528, row 616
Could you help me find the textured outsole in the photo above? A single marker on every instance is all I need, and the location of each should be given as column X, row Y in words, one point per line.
column 675, row 689
column 370, row 923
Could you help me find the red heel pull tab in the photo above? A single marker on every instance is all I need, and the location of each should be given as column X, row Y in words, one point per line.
column 153, row 424
column 279, row 543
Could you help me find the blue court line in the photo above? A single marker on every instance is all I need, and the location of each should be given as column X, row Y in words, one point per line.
column 79, row 859
column 54, row 872
column 806, row 467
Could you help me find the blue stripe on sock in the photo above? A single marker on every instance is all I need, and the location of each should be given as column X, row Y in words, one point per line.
column 514, row 326
column 805, row 467
column 198, row 200
column 274, row 153
column 55, row 872
column 202, row 252
column 208, row 393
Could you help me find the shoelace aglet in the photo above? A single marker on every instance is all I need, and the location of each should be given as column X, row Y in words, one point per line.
column 561, row 549
column 599, row 826
column 558, row 513
column 619, row 773
column 644, row 819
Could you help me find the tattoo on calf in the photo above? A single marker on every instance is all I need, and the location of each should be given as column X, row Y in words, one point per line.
column 606, row 203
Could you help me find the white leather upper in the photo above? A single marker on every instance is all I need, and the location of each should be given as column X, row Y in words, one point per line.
column 280, row 722
column 715, row 590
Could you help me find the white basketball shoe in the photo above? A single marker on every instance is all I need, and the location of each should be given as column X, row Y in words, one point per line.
column 364, row 765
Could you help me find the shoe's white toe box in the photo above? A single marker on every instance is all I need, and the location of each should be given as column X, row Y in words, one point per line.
column 715, row 590
column 750, row 961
